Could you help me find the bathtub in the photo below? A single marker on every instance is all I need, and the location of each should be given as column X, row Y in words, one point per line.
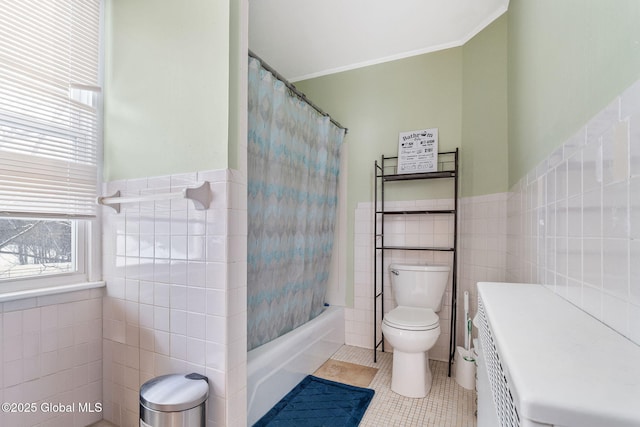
column 273, row 369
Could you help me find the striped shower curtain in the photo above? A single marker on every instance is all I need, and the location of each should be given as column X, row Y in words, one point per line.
column 293, row 162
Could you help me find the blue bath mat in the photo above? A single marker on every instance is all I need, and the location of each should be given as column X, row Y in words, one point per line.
column 317, row 402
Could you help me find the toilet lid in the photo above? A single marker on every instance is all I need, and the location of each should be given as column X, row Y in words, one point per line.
column 412, row 318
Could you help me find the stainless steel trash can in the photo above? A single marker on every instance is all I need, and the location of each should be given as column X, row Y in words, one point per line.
column 174, row 400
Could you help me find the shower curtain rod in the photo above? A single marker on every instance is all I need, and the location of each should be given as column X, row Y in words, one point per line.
column 292, row 88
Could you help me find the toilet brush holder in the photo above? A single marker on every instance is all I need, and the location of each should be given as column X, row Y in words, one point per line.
column 465, row 368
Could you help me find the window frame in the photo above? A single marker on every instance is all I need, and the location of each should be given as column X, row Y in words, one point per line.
column 87, row 251
column 87, row 234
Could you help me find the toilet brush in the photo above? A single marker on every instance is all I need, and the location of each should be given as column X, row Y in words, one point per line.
column 466, row 321
column 467, row 328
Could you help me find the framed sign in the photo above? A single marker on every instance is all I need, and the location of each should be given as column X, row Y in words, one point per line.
column 418, row 151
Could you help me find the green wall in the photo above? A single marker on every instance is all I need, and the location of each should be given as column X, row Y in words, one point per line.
column 166, row 86
column 567, row 60
column 378, row 102
column 484, row 165
column 438, row 90
column 238, row 108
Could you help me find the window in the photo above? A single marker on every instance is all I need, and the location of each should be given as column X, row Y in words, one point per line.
column 49, row 139
column 35, row 247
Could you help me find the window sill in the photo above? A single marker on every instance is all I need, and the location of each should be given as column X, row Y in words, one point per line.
column 52, row 290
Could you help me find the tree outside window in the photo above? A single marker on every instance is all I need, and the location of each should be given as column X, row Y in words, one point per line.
column 35, row 247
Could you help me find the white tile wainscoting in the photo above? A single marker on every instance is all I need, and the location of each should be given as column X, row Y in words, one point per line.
column 574, row 221
column 175, row 298
column 481, row 256
column 176, row 293
column 572, row 224
column 51, row 353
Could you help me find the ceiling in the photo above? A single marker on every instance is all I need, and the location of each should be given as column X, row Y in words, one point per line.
column 302, row 39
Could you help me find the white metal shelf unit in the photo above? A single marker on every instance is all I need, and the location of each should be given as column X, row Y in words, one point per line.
column 385, row 172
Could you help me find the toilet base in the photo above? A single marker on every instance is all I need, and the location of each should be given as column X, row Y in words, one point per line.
column 411, row 375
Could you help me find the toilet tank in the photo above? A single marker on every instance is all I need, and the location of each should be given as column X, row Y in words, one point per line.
column 419, row 285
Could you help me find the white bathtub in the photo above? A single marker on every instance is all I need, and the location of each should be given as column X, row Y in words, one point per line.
column 273, row 369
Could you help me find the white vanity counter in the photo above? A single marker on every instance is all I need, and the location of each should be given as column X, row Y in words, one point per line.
column 562, row 366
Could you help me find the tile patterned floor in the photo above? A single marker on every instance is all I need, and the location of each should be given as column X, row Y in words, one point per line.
column 447, row 405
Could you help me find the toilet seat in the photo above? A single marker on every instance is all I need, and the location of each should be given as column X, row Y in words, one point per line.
column 412, row 319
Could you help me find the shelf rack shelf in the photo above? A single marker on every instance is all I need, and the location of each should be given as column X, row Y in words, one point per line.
column 385, row 172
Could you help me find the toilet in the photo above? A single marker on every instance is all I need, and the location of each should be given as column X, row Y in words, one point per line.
column 413, row 327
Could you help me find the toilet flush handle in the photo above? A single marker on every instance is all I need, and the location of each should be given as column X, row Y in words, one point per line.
column 396, row 272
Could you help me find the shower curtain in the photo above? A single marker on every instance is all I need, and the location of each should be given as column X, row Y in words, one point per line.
column 293, row 162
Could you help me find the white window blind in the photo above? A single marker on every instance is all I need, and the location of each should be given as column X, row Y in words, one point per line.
column 49, row 123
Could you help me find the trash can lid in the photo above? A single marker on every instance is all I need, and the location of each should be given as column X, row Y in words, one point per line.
column 174, row 392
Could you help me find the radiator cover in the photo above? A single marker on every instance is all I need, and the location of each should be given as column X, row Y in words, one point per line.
column 503, row 403
column 544, row 362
